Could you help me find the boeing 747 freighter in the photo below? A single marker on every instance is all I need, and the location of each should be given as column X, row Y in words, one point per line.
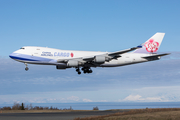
column 84, row 60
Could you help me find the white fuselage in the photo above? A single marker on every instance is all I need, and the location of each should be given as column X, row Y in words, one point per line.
column 50, row 56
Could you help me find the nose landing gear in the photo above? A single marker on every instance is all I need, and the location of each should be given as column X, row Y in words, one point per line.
column 26, row 67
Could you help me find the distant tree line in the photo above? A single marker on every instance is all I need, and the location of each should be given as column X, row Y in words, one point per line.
column 17, row 106
column 95, row 108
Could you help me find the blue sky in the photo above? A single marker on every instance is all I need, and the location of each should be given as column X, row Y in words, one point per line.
column 103, row 25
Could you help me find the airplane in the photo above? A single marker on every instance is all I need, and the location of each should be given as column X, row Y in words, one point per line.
column 82, row 61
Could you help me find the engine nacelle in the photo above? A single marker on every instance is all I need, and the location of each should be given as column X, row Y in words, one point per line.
column 73, row 63
column 60, row 67
column 99, row 59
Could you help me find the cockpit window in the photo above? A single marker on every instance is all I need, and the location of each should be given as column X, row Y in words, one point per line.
column 22, row 48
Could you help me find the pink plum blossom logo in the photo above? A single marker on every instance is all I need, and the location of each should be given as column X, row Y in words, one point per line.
column 72, row 55
column 151, row 46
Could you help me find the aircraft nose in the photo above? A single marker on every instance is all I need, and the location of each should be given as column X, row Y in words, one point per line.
column 12, row 55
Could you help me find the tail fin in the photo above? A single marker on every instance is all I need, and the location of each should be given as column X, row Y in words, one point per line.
column 151, row 45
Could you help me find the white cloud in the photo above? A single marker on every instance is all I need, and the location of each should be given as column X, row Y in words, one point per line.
column 87, row 100
column 73, row 98
column 154, row 99
column 133, row 98
column 139, row 98
column 103, row 101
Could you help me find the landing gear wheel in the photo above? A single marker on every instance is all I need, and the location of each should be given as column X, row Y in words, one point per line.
column 26, row 68
column 78, row 71
column 86, row 70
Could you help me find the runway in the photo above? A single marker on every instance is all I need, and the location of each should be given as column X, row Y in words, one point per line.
column 53, row 115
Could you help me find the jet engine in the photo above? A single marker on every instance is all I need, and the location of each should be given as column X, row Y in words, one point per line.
column 60, row 67
column 72, row 63
column 99, row 59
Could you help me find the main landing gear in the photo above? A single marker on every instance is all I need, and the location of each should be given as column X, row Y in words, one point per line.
column 84, row 69
column 78, row 71
column 26, row 67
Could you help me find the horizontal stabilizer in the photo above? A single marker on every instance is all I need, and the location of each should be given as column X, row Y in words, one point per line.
column 156, row 55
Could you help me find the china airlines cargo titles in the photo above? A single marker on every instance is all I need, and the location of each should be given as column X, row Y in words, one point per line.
column 58, row 54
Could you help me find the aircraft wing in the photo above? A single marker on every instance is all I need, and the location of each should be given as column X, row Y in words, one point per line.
column 124, row 51
column 112, row 55
column 105, row 57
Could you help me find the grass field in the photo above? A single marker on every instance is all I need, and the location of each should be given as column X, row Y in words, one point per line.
column 170, row 115
column 141, row 114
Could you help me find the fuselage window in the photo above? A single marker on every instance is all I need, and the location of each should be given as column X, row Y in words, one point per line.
column 22, row 48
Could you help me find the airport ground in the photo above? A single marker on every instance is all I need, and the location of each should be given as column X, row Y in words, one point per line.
column 51, row 114
column 134, row 114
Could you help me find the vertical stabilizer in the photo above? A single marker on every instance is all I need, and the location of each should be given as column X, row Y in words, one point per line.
column 151, row 45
